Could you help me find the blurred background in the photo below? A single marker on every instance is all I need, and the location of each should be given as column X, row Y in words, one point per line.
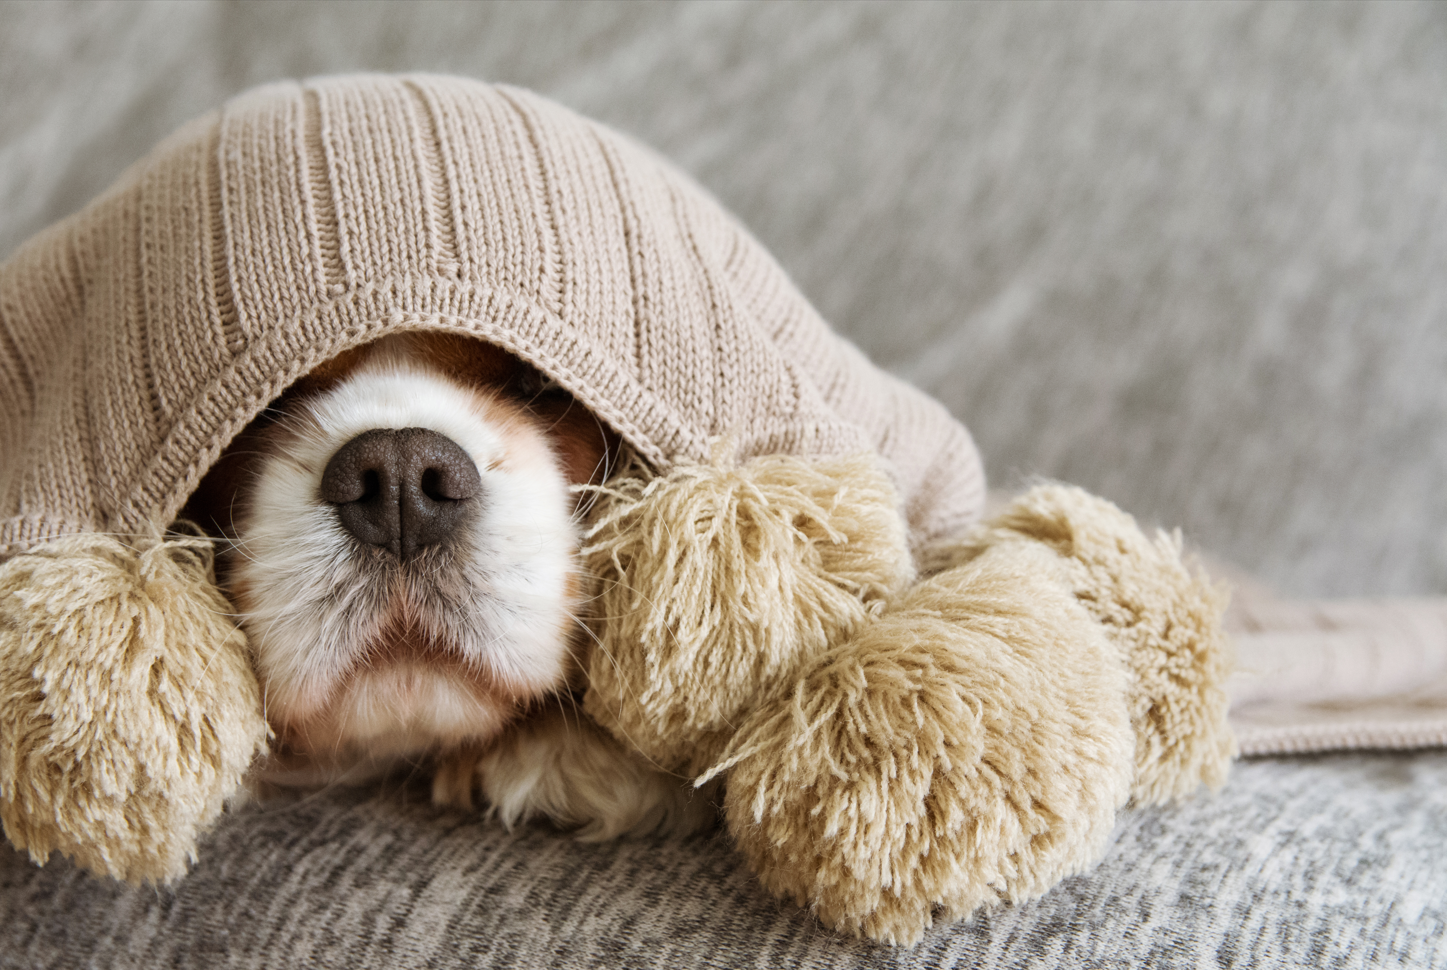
column 1191, row 256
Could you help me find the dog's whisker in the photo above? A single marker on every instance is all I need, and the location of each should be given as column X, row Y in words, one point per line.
column 638, row 748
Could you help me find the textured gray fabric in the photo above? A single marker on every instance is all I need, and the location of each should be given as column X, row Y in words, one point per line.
column 1331, row 861
column 1188, row 256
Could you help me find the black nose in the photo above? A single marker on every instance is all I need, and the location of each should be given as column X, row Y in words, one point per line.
column 401, row 490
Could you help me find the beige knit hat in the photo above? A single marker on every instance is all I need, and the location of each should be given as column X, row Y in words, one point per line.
column 138, row 337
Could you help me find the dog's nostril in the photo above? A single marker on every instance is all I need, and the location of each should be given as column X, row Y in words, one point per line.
column 402, row 489
column 434, row 488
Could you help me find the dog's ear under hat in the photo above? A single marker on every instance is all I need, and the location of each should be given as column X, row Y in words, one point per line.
column 140, row 335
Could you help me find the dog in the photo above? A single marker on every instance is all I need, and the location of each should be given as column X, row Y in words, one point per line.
column 400, row 537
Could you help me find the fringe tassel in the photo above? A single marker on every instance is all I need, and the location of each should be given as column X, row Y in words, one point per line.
column 128, row 707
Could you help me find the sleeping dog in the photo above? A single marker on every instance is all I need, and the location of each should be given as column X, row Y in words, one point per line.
column 402, row 531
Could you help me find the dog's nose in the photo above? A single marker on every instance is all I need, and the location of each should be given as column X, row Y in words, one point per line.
column 401, row 490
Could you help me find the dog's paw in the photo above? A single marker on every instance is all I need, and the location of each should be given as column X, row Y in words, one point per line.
column 560, row 766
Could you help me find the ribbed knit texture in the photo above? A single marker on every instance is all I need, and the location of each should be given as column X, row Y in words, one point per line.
column 137, row 337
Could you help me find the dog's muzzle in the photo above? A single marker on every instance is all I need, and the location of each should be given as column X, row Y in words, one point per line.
column 401, row 490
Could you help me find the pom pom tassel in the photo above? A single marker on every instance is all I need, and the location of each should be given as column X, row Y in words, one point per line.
column 970, row 747
column 1164, row 617
column 128, row 707
column 717, row 582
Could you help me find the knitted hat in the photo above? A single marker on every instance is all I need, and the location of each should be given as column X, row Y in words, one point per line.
column 139, row 336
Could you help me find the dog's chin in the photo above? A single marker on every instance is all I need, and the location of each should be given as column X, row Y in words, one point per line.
column 408, row 697
column 399, row 712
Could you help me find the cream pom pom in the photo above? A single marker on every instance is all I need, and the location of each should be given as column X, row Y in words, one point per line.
column 128, row 708
column 970, row 746
column 718, row 581
column 1162, row 615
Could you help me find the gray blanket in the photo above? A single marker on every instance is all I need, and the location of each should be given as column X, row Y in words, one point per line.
column 1320, row 862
